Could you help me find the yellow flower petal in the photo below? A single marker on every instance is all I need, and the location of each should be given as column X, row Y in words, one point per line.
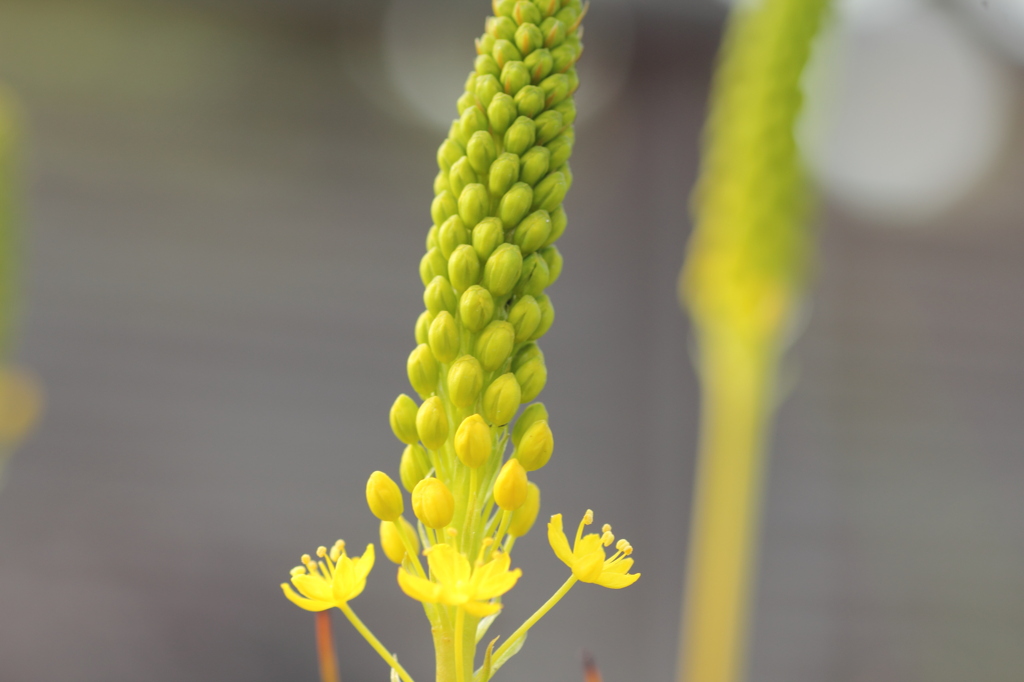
column 481, row 609
column 559, row 543
column 620, row 566
column 616, row 581
column 418, row 588
column 302, row 602
column 588, row 568
column 498, row 585
column 364, row 564
column 587, row 545
column 313, row 587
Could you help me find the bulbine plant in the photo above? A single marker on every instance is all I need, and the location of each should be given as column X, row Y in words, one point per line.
column 490, row 256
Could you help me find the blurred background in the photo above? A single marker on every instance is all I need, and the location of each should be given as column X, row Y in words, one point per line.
column 228, row 205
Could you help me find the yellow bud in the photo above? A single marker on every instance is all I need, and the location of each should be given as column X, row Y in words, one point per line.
column 532, row 377
column 450, row 236
column 476, row 307
column 432, row 423
column 465, row 381
column 391, row 539
column 423, row 326
column 443, row 337
column 414, row 466
column 422, row 370
column 523, row 518
column 433, row 503
column 473, row 203
column 473, row 441
column 464, row 268
column 528, row 352
column 547, row 316
column 383, row 497
column 536, row 446
column 510, row 486
column 531, row 414
column 403, row 419
column 502, row 269
column 524, row 317
column 439, row 296
column 487, row 236
column 501, row 400
column 495, row 344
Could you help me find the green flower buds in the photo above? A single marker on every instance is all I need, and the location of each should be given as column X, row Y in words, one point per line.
column 515, row 204
column 534, row 165
column 414, row 466
column 432, row 423
column 556, row 88
column 568, row 111
column 444, row 206
column 525, row 354
column 528, row 38
column 532, row 377
column 525, row 12
column 502, row 28
column 505, row 52
column 553, row 257
column 483, row 66
column 533, row 232
column 521, row 135
column 523, row 518
column 391, row 537
column 448, row 153
column 547, row 317
column 433, row 264
column 539, row 63
column 565, row 170
column 487, row 87
column 514, row 77
column 481, row 152
column 487, row 236
column 495, row 344
column 536, row 446
column 510, row 486
column 502, row 399
column 464, row 268
column 564, row 57
column 561, row 148
column 472, row 120
column 484, row 44
column 403, row 419
column 422, row 370
column 574, row 80
column 553, row 31
column 550, row 192
column 568, row 15
column 423, row 326
column 433, row 503
column 465, row 101
column 465, row 381
column 440, row 183
column 473, row 204
column 451, row 236
column 502, row 111
column 439, row 296
column 443, row 337
column 533, row 413
column 558, row 222
column 476, row 308
column 383, row 497
column 504, row 174
column 431, row 241
column 502, row 270
column 534, row 276
column 524, row 318
column 461, row 175
column 548, row 7
column 549, row 125
column 530, row 101
column 503, row 8
column 473, row 443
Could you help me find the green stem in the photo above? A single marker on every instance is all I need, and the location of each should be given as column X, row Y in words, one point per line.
column 460, row 626
column 374, row 642
column 532, row 620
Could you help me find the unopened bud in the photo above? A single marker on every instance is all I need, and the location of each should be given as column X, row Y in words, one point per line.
column 422, row 370
column 521, row 135
column 536, row 446
column 524, row 318
column 448, row 153
column 553, row 257
column 534, row 165
column 403, row 419
column 504, row 52
column 525, row 12
column 423, row 326
column 502, row 270
column 432, row 423
column 534, row 276
column 549, row 125
column 510, row 486
column 539, row 63
column 523, row 518
column 487, row 236
column 414, row 466
column 472, row 120
column 443, row 337
column 495, row 344
column 484, row 65
column 502, row 399
column 547, row 317
column 440, row 182
column 561, row 149
column 431, row 241
column 502, row 28
column 476, row 308
column 568, row 15
column 465, row 101
column 432, row 265
column 567, row 109
column 574, row 80
column 481, row 152
column 528, row 38
column 550, row 192
column 515, row 204
column 566, row 170
column 501, row 112
column 553, row 31
column 450, row 236
column 383, row 497
column 548, row 7
column 474, row 203
column 558, row 222
column 533, row 232
column 473, row 443
column 464, row 268
column 465, row 381
column 439, row 296
column 529, row 101
column 460, row 175
column 487, row 86
column 532, row 377
column 564, row 57
column 433, row 503
column 532, row 414
column 443, row 206
column 484, row 44
column 503, row 8
column 391, row 539
column 556, row 88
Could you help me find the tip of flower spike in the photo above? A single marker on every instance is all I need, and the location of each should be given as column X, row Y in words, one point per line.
column 588, row 518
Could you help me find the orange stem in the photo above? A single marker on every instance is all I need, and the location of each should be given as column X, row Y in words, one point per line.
column 325, row 648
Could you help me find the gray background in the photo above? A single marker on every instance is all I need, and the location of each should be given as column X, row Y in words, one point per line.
column 226, row 226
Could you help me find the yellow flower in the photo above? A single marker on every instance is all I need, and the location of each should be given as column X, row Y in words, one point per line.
column 458, row 583
column 332, row 581
column 587, row 558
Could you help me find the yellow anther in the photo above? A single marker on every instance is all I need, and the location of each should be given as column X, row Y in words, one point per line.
column 628, row 550
column 306, row 560
column 321, row 551
column 588, row 518
column 452, row 532
column 298, row 570
column 606, row 528
column 621, row 544
column 607, row 538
